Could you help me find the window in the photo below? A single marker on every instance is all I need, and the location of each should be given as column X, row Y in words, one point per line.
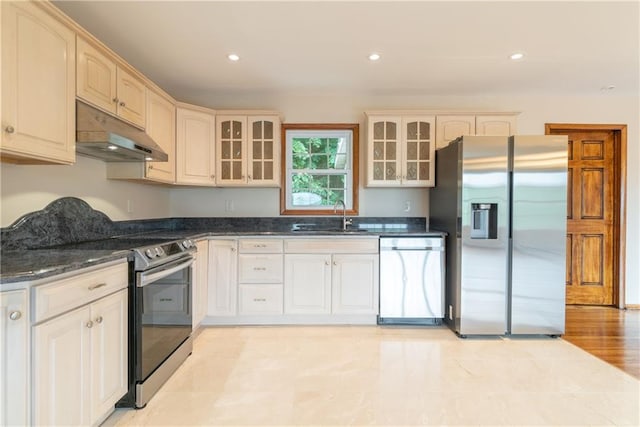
column 320, row 168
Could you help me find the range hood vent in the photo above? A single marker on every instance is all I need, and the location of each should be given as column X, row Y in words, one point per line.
column 105, row 137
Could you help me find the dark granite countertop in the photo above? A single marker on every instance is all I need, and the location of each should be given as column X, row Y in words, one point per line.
column 34, row 264
column 53, row 241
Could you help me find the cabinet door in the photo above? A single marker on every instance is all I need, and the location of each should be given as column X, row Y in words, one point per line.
column 449, row 128
column 384, row 151
column 132, row 98
column 161, row 127
column 355, row 284
column 109, row 353
column 263, row 151
column 496, row 125
column 231, row 151
column 38, row 86
column 418, row 151
column 96, row 82
column 14, row 358
column 223, row 273
column 307, row 284
column 200, row 287
column 195, row 147
column 62, row 370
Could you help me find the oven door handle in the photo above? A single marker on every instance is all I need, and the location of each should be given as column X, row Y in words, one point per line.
column 148, row 277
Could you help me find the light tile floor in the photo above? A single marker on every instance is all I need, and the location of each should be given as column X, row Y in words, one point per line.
column 361, row 375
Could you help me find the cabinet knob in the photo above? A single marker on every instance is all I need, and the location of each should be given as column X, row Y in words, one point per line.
column 9, row 129
column 115, row 100
column 233, row 249
column 89, row 324
column 327, row 263
column 98, row 319
column 335, row 263
column 150, row 167
column 15, row 315
column 250, row 177
column 213, row 176
column 122, row 104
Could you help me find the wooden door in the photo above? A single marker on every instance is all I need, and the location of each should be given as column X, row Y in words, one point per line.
column 195, row 147
column 592, row 219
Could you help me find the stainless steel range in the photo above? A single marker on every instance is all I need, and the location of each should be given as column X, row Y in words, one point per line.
column 160, row 315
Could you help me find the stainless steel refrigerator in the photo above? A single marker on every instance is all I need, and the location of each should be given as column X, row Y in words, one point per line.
column 503, row 202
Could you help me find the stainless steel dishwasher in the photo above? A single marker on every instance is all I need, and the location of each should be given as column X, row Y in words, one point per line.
column 411, row 280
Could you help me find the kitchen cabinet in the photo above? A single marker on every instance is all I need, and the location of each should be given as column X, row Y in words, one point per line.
column 14, row 358
column 400, row 150
column 107, row 85
column 248, row 150
column 200, row 292
column 161, row 127
column 38, row 86
column 195, row 146
column 223, row 278
column 337, row 276
column 80, row 356
column 450, row 127
column 260, row 276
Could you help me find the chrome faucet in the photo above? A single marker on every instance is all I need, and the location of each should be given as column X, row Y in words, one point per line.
column 345, row 221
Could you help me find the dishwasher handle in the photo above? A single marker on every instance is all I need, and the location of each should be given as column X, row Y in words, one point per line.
column 424, row 248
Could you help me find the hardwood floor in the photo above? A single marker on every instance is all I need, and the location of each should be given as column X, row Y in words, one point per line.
column 608, row 333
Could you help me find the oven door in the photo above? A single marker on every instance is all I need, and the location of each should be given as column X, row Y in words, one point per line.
column 162, row 314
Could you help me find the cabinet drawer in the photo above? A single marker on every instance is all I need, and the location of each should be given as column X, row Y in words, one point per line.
column 260, row 246
column 260, row 299
column 63, row 295
column 265, row 268
column 332, row 246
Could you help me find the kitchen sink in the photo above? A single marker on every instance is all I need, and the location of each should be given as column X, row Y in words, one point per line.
column 318, row 230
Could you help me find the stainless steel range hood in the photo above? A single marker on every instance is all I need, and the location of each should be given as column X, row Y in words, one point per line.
column 104, row 137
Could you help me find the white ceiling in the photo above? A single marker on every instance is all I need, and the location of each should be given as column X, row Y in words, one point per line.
column 427, row 47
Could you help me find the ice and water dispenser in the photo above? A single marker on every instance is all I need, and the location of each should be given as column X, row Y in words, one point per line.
column 484, row 220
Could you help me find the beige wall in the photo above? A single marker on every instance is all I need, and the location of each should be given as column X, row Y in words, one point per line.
column 29, row 188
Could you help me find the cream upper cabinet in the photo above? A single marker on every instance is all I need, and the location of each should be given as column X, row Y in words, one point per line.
column 496, row 125
column 248, row 150
column 14, row 358
column 108, row 86
column 450, row 127
column 38, row 86
column 161, row 127
column 400, row 151
column 195, row 146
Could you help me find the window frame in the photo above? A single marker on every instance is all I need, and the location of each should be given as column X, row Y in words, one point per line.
column 285, row 156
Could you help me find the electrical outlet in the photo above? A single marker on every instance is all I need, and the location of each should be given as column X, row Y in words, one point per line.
column 407, row 206
column 228, row 205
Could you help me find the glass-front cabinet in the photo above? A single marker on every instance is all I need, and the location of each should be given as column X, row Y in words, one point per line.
column 248, row 150
column 401, row 151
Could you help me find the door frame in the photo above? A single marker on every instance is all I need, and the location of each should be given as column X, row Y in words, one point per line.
column 620, row 197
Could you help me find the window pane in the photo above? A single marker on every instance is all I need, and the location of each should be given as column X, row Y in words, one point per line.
column 300, row 161
column 268, row 150
column 378, row 171
column 424, row 171
column 391, row 171
column 237, row 170
column 226, row 170
column 268, row 130
column 319, row 181
column 412, row 171
column 237, row 129
column 257, row 150
column 424, row 130
column 391, row 150
column 412, row 150
column 391, row 130
column 378, row 130
column 319, row 162
column 412, row 130
column 226, row 150
column 237, row 149
column 336, row 181
column 226, row 129
column 257, row 170
column 424, row 150
column 268, row 170
column 378, row 150
column 257, row 130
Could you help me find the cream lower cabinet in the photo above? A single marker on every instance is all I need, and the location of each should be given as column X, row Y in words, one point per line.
column 200, row 294
column 80, row 357
column 331, row 276
column 223, row 278
column 14, row 358
column 260, row 276
column 38, row 86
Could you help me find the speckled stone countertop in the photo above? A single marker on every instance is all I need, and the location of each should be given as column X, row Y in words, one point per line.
column 41, row 244
column 34, row 264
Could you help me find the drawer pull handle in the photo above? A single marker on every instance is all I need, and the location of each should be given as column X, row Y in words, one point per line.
column 260, row 299
column 89, row 324
column 98, row 319
column 260, row 246
column 96, row 286
column 15, row 315
column 259, row 268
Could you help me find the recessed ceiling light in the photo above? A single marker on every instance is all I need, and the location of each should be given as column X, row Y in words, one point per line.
column 148, row 158
column 607, row 88
column 112, row 147
column 374, row 57
column 233, row 57
column 516, row 56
